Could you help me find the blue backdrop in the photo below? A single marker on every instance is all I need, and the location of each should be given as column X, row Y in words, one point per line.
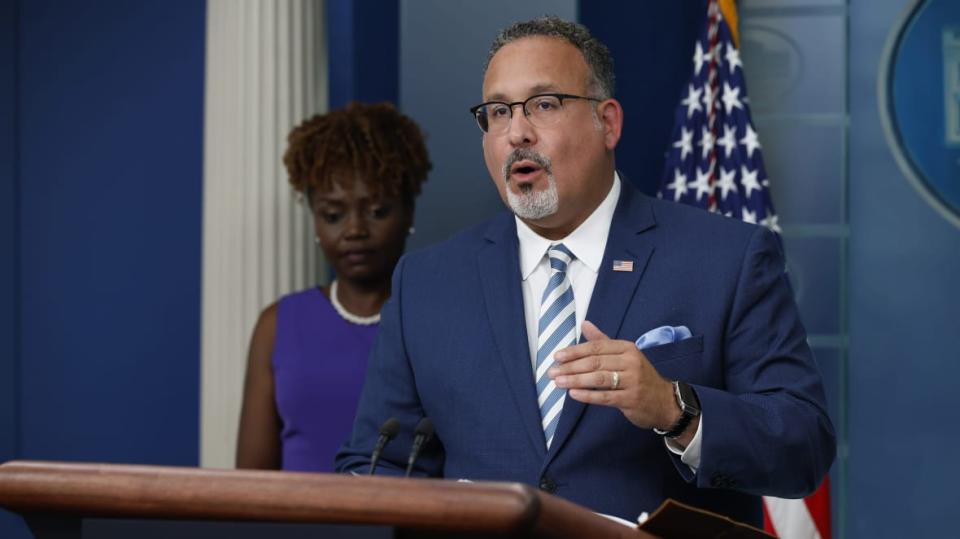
column 9, row 287
column 904, row 310
column 101, row 209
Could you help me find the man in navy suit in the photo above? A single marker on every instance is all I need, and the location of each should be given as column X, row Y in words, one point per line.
column 481, row 331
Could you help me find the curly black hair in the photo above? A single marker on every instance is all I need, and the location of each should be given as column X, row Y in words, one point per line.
column 370, row 141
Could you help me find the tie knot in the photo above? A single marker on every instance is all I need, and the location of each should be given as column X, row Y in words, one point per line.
column 560, row 257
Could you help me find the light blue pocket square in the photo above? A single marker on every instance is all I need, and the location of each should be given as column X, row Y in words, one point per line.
column 663, row 335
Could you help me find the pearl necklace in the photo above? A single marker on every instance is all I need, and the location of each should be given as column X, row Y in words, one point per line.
column 347, row 315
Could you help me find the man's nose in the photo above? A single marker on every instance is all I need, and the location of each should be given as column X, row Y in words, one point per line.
column 521, row 132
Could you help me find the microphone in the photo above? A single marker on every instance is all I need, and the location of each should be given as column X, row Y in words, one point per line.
column 388, row 431
column 422, row 435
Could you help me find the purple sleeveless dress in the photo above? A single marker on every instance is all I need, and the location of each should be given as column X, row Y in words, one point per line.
column 319, row 362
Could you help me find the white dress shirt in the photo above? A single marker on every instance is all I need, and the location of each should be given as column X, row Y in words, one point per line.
column 582, row 272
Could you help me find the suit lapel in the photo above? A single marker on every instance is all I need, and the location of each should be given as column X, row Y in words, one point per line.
column 614, row 290
column 499, row 266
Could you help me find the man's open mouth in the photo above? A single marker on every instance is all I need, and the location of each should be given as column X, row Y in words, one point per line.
column 524, row 168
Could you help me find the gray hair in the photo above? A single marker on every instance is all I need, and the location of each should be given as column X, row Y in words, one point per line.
column 594, row 52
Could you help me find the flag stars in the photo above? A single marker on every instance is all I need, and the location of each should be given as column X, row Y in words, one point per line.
column 706, row 143
column 733, row 58
column 748, row 178
column 709, row 99
column 772, row 222
column 692, row 101
column 731, row 97
column 726, row 182
column 702, row 184
column 729, row 139
column 716, row 151
column 750, row 140
column 685, row 143
column 699, row 58
column 679, row 184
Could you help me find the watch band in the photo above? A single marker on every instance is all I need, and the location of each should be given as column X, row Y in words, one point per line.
column 677, row 428
column 688, row 410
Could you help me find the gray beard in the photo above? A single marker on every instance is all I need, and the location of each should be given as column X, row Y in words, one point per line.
column 534, row 205
column 531, row 204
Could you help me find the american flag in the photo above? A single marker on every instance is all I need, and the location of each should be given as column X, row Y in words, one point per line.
column 715, row 160
column 716, row 163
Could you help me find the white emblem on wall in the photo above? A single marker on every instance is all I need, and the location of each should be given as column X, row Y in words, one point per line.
column 951, row 84
column 913, row 45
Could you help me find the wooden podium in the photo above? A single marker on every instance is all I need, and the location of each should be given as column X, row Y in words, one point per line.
column 56, row 499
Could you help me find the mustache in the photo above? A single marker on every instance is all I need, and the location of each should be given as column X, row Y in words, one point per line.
column 525, row 154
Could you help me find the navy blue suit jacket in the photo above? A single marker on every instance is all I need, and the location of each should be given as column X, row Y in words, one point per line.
column 453, row 347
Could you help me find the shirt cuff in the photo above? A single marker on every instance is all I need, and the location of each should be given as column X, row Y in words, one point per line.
column 691, row 455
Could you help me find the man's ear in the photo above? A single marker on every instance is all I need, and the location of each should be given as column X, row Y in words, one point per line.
column 611, row 119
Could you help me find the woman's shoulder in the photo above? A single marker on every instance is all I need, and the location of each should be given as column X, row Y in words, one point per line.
column 268, row 316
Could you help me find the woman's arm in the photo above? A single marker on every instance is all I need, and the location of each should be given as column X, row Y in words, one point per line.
column 258, row 442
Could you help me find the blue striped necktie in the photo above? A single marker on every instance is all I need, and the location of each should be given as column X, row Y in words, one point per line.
column 556, row 330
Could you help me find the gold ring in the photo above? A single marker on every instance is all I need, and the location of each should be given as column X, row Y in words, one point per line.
column 616, row 380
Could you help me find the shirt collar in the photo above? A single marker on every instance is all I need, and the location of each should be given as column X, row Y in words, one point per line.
column 582, row 242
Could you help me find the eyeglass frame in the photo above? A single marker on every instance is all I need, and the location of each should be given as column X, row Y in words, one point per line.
column 523, row 106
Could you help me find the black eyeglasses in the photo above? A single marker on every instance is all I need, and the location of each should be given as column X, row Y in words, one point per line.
column 542, row 110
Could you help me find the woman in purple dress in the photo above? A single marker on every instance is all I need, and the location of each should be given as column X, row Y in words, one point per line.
column 360, row 169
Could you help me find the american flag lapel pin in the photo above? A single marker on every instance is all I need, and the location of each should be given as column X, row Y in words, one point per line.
column 623, row 265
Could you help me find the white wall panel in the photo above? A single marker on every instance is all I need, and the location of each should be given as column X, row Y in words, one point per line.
column 265, row 73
